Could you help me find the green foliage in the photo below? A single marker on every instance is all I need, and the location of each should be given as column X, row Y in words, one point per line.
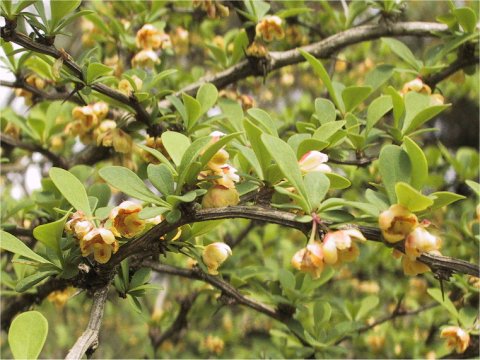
column 27, row 335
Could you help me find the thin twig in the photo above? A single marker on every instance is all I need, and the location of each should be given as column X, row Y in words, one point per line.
column 88, row 341
column 56, row 160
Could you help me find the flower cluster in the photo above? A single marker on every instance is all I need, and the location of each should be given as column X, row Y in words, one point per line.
column 270, row 28
column 223, row 176
column 213, row 8
column 34, row 81
column 245, row 100
column 337, row 247
column 417, row 85
column 101, row 241
column 149, row 39
column 397, row 224
column 90, row 124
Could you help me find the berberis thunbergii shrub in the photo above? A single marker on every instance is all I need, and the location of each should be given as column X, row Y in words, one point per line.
column 239, row 179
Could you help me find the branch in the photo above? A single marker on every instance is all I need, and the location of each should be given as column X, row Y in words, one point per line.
column 88, row 341
column 23, row 302
column 461, row 63
column 40, row 94
column 395, row 314
column 322, row 49
column 178, row 325
column 9, row 34
column 54, row 158
column 442, row 266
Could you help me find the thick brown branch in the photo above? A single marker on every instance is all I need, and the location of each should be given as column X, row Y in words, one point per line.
column 54, row 158
column 442, row 266
column 88, row 341
column 9, row 34
column 322, row 49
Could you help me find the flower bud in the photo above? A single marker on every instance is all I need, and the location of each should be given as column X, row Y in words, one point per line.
column 220, row 196
column 396, row 223
column 309, row 259
column 214, row 255
column 314, row 161
column 456, row 338
column 416, row 85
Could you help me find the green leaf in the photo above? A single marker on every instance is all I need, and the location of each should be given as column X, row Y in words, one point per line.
column 398, row 105
column 325, row 110
column 338, row 181
column 161, row 177
column 71, row 188
column 102, row 192
column 287, row 162
column 322, row 312
column 254, row 136
column 316, row 186
column 354, row 95
column 322, row 73
column 379, row 75
column 475, row 186
column 394, row 165
column 11, row 243
column 27, row 334
column 188, row 161
column 140, row 277
column 188, row 197
column 264, row 120
column 421, row 117
column 29, row 281
column 51, row 233
column 436, row 294
column 367, row 304
column 412, row 199
column 193, row 110
column 377, row 109
column 327, row 130
column 444, row 198
column 403, row 52
column 205, row 227
column 418, row 162
column 129, row 183
column 467, row 18
column 159, row 156
column 151, row 212
column 95, row 70
column 207, row 96
column 176, row 144
column 60, row 9
column 309, row 145
column 286, row 278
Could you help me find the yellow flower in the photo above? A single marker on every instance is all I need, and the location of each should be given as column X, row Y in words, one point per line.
column 396, row 223
column 87, row 116
column 145, row 59
column 314, row 161
column 60, row 297
column 214, row 344
column 75, row 218
column 108, row 135
column 416, row 85
column 228, row 177
column 309, row 259
column 214, row 255
column 125, row 221
column 270, row 28
column 100, row 109
column 125, row 87
column 413, row 267
column 218, row 160
column 339, row 244
column 220, row 196
column 101, row 242
column 456, row 338
column 420, row 241
column 149, row 37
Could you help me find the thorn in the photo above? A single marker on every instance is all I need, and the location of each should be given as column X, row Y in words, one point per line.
column 442, row 289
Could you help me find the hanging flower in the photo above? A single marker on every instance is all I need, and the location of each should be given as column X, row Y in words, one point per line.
column 396, row 223
column 220, row 196
column 148, row 37
column 145, row 59
column 214, row 255
column 339, row 244
column 416, row 85
column 270, row 28
column 413, row 267
column 309, row 259
column 228, row 177
column 420, row 241
column 125, row 220
column 101, row 242
column 314, row 161
column 456, row 338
